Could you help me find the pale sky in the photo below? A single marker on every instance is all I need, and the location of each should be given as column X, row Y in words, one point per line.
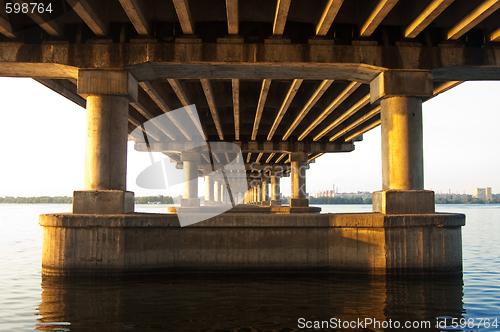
column 43, row 141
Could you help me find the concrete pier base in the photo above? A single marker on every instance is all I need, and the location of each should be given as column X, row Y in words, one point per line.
column 369, row 243
column 403, row 201
column 103, row 201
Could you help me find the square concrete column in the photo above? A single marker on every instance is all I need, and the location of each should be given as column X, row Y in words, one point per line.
column 298, row 177
column 217, row 191
column 400, row 94
column 108, row 93
column 209, row 190
column 190, row 185
column 275, row 190
column 265, row 192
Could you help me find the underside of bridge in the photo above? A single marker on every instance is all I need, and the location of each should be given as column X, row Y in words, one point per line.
column 285, row 81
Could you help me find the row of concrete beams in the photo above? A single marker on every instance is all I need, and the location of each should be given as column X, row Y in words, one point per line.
column 135, row 13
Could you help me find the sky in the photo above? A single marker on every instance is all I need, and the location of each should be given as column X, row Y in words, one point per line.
column 43, row 142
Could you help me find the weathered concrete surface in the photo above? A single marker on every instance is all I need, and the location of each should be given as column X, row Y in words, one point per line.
column 403, row 201
column 103, row 201
column 363, row 243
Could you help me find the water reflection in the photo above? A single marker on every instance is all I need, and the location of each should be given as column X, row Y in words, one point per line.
column 240, row 303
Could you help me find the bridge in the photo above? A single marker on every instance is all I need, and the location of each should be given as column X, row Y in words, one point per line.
column 286, row 82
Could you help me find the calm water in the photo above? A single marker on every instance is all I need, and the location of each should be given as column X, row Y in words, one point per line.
column 239, row 303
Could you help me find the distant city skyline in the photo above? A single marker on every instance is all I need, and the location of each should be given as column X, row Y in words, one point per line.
column 44, row 141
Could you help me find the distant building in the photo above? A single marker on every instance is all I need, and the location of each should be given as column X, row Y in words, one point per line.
column 482, row 193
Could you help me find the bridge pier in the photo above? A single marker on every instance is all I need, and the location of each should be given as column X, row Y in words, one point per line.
column 209, row 190
column 275, row 190
column 400, row 94
column 190, row 185
column 298, row 177
column 106, row 145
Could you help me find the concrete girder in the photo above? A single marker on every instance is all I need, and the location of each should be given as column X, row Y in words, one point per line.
column 266, row 84
column 5, row 26
column 207, row 89
column 236, row 106
column 232, row 17
column 64, row 88
column 184, row 15
column 43, row 20
column 250, row 147
column 475, row 17
column 366, row 117
column 363, row 130
column 282, row 8
column 307, row 107
column 336, row 103
column 135, row 13
column 426, row 17
column 377, row 16
column 88, row 15
column 183, row 98
column 155, row 95
column 495, row 35
column 149, row 62
column 356, row 107
column 328, row 16
column 284, row 106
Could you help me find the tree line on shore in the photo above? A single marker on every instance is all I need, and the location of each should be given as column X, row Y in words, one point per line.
column 68, row 200
column 160, row 199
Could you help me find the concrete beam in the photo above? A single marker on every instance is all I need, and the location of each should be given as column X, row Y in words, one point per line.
column 282, row 8
column 336, row 103
column 356, row 107
column 236, row 106
column 250, row 147
column 5, row 26
column 44, row 21
column 232, row 17
column 83, row 9
column 425, row 18
column 64, row 88
column 355, row 124
column 328, row 16
column 107, row 82
column 184, row 15
column 135, row 13
column 268, row 160
column 377, row 16
column 207, row 89
column 155, row 95
column 183, row 98
column 284, row 106
column 307, row 107
column 266, row 84
column 363, row 130
column 443, row 88
column 485, row 9
column 495, row 35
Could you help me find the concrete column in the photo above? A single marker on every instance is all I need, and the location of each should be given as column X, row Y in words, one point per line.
column 217, row 192
column 400, row 94
column 298, row 177
column 275, row 191
column 209, row 190
column 190, row 186
column 259, row 196
column 402, row 143
column 107, row 94
column 264, row 192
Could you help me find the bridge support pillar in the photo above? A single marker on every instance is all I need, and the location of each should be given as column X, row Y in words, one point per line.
column 209, row 190
column 190, row 186
column 217, row 191
column 107, row 94
column 275, row 190
column 265, row 192
column 400, row 94
column 298, row 177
